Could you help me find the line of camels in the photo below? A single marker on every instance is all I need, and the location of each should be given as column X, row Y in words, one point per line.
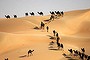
column 53, row 13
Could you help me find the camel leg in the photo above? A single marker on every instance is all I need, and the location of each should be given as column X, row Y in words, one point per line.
column 58, row 47
column 31, row 54
column 28, row 54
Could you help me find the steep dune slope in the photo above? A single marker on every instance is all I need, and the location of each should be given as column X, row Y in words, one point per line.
column 80, row 24
column 71, row 23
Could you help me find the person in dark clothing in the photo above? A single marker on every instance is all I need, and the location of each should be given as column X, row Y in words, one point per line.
column 57, row 35
column 62, row 46
column 58, row 40
column 47, row 28
column 58, row 45
column 54, row 32
column 41, row 24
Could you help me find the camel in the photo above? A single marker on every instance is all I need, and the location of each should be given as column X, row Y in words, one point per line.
column 83, row 50
column 7, row 16
column 40, row 13
column 52, row 17
column 52, row 13
column 58, row 13
column 76, row 52
column 32, row 13
column 70, row 50
column 62, row 13
column 61, row 46
column 30, row 52
column 88, row 58
column 81, row 55
column 15, row 16
column 26, row 14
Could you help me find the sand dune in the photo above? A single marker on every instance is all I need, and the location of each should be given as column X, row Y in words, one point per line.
column 12, row 25
column 69, row 25
column 17, row 36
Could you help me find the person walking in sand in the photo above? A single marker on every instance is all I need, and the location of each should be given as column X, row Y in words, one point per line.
column 47, row 28
column 57, row 35
column 61, row 46
column 57, row 40
column 54, row 32
column 58, row 45
column 42, row 25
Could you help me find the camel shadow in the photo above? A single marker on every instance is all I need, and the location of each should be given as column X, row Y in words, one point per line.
column 22, row 56
column 54, row 49
column 51, row 37
column 46, row 20
column 72, row 59
column 69, row 57
column 37, row 28
column 52, row 46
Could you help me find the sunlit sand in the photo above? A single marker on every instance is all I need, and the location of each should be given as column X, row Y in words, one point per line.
column 17, row 36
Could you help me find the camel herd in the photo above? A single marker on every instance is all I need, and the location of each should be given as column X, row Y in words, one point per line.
column 8, row 16
column 53, row 14
column 81, row 54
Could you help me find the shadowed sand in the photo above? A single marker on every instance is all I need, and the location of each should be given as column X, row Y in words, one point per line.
column 17, row 36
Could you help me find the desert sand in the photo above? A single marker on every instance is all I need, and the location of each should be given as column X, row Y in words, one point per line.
column 17, row 36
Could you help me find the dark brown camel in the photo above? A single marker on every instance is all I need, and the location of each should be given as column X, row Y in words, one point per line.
column 52, row 17
column 7, row 16
column 32, row 13
column 58, row 13
column 40, row 13
column 52, row 13
column 83, row 50
column 30, row 52
column 15, row 16
column 62, row 13
column 70, row 50
column 26, row 14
